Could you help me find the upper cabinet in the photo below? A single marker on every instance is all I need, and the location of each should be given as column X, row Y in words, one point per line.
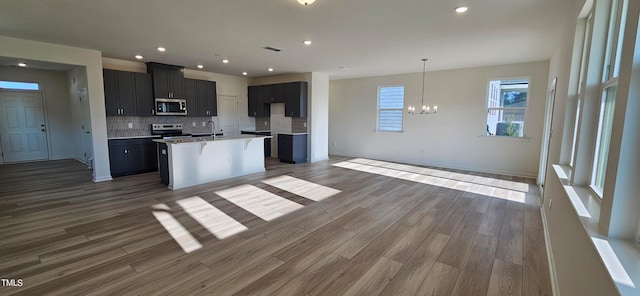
column 295, row 99
column 127, row 93
column 256, row 105
column 207, row 98
column 168, row 80
column 201, row 96
column 144, row 94
column 292, row 94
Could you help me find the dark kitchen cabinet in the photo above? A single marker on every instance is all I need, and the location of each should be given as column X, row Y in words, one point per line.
column 168, row 80
column 132, row 156
column 292, row 94
column 127, row 93
column 190, row 94
column 295, row 99
column 119, row 93
column 207, row 98
column 144, row 95
column 256, row 105
column 292, row 148
column 202, row 97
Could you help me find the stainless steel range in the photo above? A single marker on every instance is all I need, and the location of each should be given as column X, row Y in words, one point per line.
column 168, row 130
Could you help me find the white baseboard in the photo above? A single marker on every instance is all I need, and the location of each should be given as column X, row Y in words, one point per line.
column 552, row 266
column 102, row 179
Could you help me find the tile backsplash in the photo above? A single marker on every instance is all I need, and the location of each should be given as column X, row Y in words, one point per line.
column 260, row 123
column 118, row 126
column 298, row 124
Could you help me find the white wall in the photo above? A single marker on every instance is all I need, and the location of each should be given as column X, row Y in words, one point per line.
column 455, row 136
column 92, row 60
column 55, row 95
column 319, row 117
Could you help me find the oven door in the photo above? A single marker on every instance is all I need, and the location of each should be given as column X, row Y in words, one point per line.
column 171, row 107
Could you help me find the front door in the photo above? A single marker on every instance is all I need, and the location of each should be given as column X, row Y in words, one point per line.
column 23, row 133
column 228, row 115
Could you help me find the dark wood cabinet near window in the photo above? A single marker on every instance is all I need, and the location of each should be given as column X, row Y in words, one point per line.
column 292, row 148
column 190, row 94
column 132, row 156
column 168, row 80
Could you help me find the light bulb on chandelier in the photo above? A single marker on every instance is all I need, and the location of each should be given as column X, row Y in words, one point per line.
column 425, row 109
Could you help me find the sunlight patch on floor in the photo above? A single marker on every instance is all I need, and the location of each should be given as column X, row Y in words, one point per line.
column 259, row 202
column 409, row 175
column 480, row 180
column 306, row 189
column 177, row 231
column 214, row 220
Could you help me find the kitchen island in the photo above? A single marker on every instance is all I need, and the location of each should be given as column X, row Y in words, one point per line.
column 187, row 162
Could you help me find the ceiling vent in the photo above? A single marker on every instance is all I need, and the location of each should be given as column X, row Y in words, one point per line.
column 272, row 49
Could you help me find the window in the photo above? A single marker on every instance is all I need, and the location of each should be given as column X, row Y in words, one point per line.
column 609, row 85
column 506, row 107
column 14, row 85
column 390, row 108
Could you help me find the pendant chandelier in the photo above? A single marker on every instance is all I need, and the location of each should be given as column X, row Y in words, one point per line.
column 425, row 109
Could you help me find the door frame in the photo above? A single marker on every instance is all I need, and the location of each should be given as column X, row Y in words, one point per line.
column 547, row 133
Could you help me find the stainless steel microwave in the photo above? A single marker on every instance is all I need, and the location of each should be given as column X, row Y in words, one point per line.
column 171, row 107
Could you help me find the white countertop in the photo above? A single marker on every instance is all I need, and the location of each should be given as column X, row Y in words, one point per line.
column 134, row 137
column 208, row 139
column 292, row 134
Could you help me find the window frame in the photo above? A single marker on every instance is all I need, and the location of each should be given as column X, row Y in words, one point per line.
column 487, row 109
column 378, row 108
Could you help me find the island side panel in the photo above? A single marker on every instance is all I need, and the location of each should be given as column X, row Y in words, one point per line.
column 207, row 161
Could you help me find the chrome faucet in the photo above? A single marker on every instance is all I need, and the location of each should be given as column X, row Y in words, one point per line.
column 213, row 128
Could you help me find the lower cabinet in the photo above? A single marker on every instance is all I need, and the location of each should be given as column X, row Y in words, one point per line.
column 132, row 156
column 292, row 148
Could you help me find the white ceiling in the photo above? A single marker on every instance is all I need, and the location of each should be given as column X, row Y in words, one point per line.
column 369, row 37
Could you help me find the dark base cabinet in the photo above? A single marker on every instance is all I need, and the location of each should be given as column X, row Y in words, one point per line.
column 163, row 163
column 292, row 148
column 132, row 156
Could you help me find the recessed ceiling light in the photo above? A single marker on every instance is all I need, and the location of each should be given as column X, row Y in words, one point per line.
column 244, row 73
column 306, row 2
column 225, row 61
column 22, row 64
column 139, row 57
column 162, row 49
column 307, row 42
column 462, row 9
column 270, row 69
column 200, row 66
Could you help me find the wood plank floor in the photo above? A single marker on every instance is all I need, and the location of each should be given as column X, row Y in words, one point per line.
column 345, row 226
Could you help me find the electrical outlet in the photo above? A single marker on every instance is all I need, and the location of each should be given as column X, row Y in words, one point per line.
column 204, row 123
column 550, row 201
column 265, row 123
column 304, row 124
column 193, row 124
column 130, row 125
